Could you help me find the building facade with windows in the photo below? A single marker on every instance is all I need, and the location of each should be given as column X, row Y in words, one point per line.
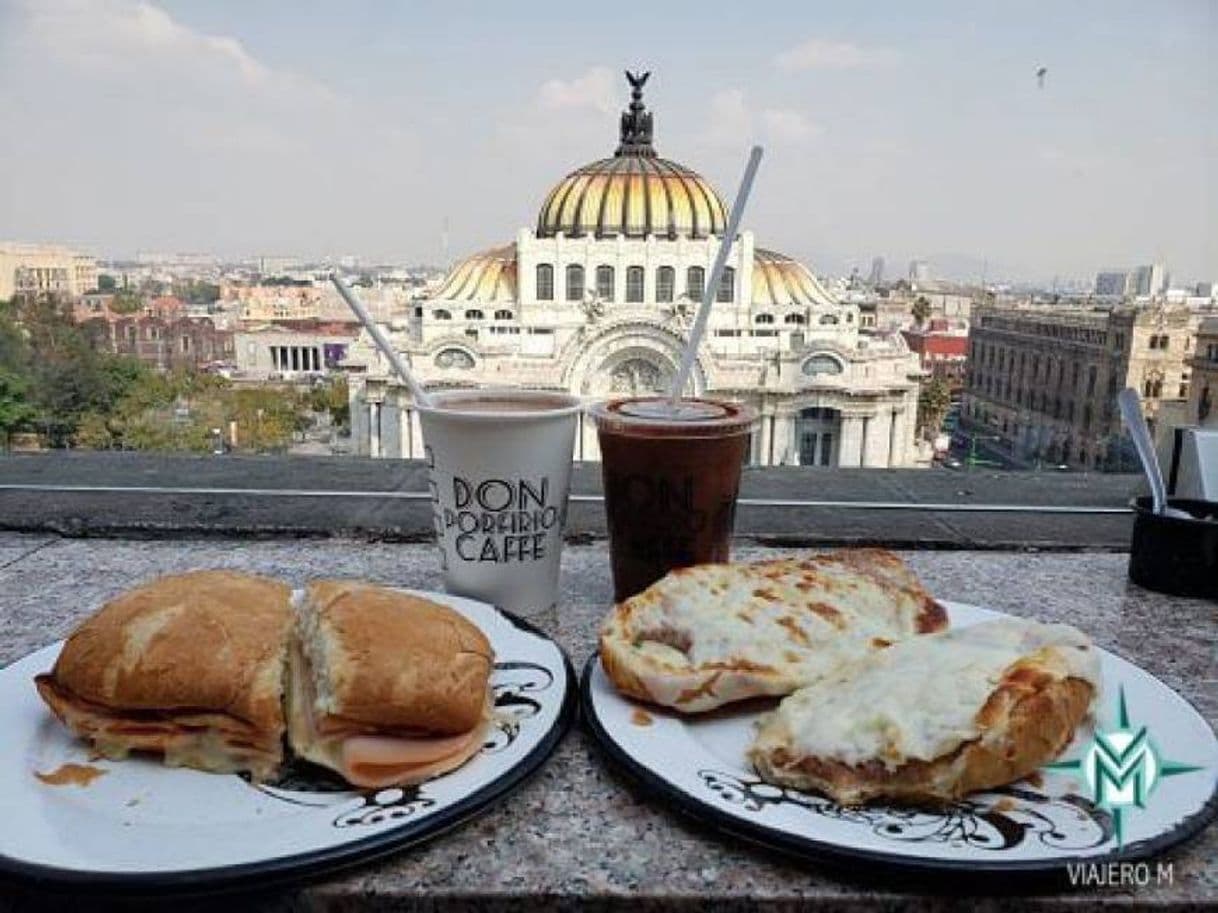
column 163, row 343
column 597, row 297
column 1043, row 380
column 1203, row 387
column 296, row 352
column 38, row 269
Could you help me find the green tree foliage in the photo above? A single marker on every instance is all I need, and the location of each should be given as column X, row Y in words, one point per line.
column 127, row 301
column 55, row 382
column 106, row 283
column 933, row 402
column 194, row 291
column 15, row 410
column 920, row 310
column 332, row 397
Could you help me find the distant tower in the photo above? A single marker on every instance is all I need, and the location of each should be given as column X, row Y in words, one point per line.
column 919, row 271
column 876, row 276
column 1149, row 280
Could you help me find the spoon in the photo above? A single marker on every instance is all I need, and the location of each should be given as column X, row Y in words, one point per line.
column 1131, row 413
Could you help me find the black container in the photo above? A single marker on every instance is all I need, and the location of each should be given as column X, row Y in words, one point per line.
column 1173, row 554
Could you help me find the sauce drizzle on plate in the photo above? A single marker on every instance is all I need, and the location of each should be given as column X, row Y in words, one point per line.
column 71, row 775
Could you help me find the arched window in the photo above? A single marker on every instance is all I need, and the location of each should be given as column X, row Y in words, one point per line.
column 441, row 314
column 827, row 320
column 575, row 282
column 849, row 317
column 1157, row 390
column 503, row 315
column 794, row 318
column 822, row 364
column 604, row 282
column 545, row 282
column 666, row 281
column 473, row 314
column 764, row 318
column 634, row 284
column 727, row 285
column 454, row 358
column 695, row 282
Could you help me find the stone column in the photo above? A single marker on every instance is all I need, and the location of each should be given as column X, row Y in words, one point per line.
column 766, row 438
column 416, row 435
column 359, row 425
column 850, row 448
column 391, row 428
column 784, row 439
column 879, row 430
column 374, row 430
column 896, row 426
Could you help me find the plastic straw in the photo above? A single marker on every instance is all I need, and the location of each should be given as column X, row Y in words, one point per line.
column 712, row 287
column 416, row 389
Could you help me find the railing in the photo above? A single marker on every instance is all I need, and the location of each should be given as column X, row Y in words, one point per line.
column 161, row 495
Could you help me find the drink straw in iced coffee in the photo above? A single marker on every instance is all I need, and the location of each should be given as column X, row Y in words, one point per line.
column 416, row 389
column 712, row 286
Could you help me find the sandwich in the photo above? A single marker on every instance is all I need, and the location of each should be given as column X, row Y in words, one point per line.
column 189, row 666
column 387, row 688
column 931, row 719
column 708, row 635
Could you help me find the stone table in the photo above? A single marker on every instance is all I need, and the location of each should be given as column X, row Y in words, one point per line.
column 580, row 835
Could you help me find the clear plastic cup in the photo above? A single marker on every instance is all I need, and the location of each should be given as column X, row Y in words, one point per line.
column 671, row 479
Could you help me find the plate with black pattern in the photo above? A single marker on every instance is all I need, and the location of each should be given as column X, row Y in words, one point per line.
column 140, row 826
column 698, row 764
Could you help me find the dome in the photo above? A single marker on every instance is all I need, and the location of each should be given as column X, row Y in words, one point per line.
column 633, row 196
column 636, row 193
column 488, row 277
column 779, row 281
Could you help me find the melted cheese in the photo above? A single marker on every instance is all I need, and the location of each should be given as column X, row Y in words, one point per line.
column 919, row 699
column 806, row 620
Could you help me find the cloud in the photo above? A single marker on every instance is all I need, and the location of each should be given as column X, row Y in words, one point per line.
column 818, row 54
column 119, row 39
column 187, row 132
column 786, row 125
column 732, row 122
column 595, row 89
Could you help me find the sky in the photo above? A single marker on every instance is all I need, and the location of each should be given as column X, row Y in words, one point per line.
column 419, row 132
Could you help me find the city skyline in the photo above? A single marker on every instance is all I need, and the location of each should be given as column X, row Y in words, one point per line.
column 258, row 132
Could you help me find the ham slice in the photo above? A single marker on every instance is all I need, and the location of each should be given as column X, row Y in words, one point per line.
column 363, row 756
column 374, row 761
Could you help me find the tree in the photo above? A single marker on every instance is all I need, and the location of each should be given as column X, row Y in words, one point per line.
column 16, row 412
column 933, row 402
column 332, row 397
column 126, row 301
column 197, row 291
column 920, row 309
column 106, row 283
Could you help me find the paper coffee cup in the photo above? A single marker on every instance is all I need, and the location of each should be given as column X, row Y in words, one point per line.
column 500, row 471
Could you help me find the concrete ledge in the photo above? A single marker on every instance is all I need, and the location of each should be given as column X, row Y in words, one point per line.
column 106, row 494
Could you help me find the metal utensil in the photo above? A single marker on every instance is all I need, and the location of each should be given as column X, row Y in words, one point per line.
column 1131, row 413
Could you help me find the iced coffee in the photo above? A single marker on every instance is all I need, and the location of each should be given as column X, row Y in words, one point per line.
column 671, row 477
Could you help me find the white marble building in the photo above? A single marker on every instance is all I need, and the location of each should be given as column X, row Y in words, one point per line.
column 597, row 297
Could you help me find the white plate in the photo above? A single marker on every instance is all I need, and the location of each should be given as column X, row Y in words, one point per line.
column 699, row 765
column 146, row 826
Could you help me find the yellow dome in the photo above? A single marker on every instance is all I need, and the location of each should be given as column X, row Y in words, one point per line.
column 486, row 277
column 779, row 281
column 633, row 196
column 635, row 193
